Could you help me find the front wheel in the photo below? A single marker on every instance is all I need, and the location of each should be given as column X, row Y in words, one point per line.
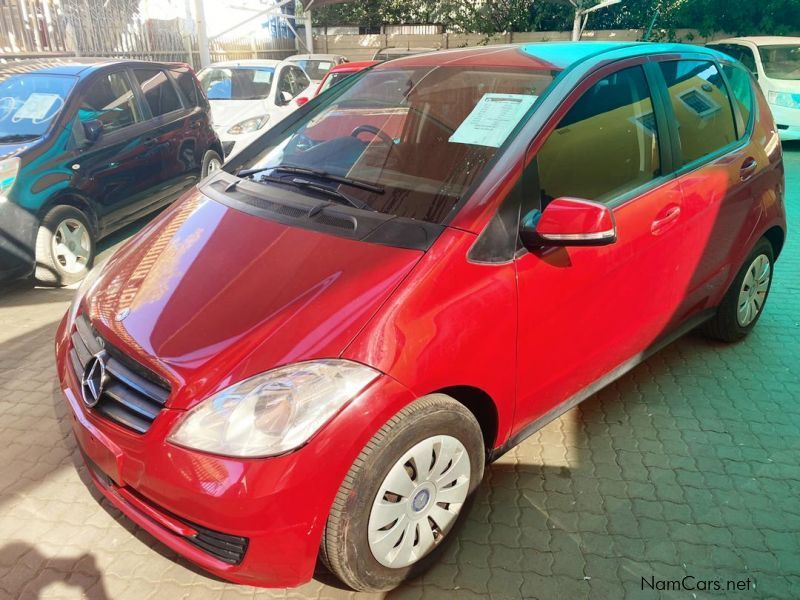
column 744, row 302
column 212, row 162
column 65, row 247
column 404, row 495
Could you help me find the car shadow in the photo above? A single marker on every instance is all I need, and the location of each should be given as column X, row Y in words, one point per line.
column 42, row 571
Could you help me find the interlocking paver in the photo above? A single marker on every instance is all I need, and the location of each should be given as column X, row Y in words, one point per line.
column 688, row 465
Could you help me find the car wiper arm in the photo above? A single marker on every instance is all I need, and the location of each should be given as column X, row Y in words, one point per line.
column 358, row 183
column 18, row 137
column 310, row 185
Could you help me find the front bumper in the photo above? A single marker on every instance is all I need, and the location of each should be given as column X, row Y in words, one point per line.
column 18, row 229
column 279, row 505
column 233, row 144
column 788, row 122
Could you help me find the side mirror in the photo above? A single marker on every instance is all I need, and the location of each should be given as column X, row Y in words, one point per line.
column 569, row 222
column 92, row 129
column 301, row 100
column 284, row 97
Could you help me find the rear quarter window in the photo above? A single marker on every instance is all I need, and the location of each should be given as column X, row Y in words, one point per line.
column 742, row 91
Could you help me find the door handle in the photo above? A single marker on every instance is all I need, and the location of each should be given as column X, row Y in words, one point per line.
column 149, row 141
column 194, row 124
column 665, row 219
column 748, row 168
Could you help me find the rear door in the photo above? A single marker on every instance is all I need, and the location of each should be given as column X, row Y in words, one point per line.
column 718, row 165
column 587, row 312
column 170, row 133
column 118, row 170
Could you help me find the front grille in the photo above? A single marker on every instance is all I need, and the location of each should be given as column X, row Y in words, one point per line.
column 132, row 395
column 227, row 147
column 227, row 548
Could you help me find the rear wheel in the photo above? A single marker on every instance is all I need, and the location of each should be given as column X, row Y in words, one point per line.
column 404, row 495
column 212, row 162
column 744, row 302
column 65, row 247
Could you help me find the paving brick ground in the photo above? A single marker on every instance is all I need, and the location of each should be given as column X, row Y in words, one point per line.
column 687, row 466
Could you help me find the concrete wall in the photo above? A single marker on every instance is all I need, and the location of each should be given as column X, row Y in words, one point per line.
column 363, row 47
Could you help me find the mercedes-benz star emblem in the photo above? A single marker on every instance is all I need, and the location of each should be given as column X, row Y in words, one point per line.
column 94, row 376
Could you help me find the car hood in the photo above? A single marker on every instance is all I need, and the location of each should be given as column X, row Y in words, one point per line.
column 207, row 295
column 227, row 113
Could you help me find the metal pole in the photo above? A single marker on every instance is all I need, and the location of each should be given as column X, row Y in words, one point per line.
column 309, row 33
column 646, row 37
column 202, row 34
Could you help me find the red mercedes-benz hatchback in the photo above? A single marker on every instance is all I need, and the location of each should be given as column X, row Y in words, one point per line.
column 316, row 352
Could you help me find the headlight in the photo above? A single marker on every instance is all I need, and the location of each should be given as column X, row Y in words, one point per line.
column 8, row 174
column 784, row 99
column 274, row 412
column 249, row 125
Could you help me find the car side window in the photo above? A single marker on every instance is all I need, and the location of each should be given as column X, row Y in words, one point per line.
column 748, row 58
column 606, row 145
column 158, row 91
column 188, row 87
column 110, row 100
column 284, row 83
column 701, row 106
column 301, row 81
column 741, row 88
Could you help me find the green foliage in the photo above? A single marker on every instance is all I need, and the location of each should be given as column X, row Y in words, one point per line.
column 740, row 17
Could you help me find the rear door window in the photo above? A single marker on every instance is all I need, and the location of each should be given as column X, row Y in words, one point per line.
column 189, row 88
column 701, row 107
column 110, row 100
column 158, row 91
column 606, row 145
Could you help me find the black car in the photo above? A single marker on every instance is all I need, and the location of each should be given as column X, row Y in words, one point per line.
column 88, row 146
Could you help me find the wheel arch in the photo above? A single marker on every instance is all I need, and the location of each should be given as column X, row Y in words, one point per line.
column 76, row 200
column 481, row 405
column 776, row 236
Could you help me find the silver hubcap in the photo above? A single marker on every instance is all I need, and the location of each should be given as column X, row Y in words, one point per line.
column 754, row 290
column 71, row 245
column 418, row 501
column 213, row 165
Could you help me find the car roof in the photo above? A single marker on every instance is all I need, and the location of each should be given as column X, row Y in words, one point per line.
column 354, row 66
column 760, row 40
column 542, row 55
column 247, row 62
column 296, row 57
column 72, row 66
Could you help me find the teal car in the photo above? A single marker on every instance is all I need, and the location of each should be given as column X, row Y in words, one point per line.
column 88, row 146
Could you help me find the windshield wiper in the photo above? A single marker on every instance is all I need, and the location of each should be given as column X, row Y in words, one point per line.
column 18, row 137
column 357, row 183
column 310, row 185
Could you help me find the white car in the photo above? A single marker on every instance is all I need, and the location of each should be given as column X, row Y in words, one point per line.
column 317, row 66
column 775, row 63
column 247, row 96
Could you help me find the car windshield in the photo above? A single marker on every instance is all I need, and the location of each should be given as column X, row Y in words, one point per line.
column 29, row 102
column 236, row 83
column 315, row 69
column 335, row 78
column 781, row 62
column 418, row 136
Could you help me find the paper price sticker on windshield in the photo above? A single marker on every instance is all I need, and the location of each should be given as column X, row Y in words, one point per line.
column 493, row 119
column 36, row 107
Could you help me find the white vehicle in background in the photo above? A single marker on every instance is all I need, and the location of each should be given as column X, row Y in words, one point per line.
column 775, row 63
column 317, row 66
column 247, row 96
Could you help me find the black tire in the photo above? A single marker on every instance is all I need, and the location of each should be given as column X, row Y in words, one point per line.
column 725, row 325
column 208, row 159
column 50, row 269
column 345, row 545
